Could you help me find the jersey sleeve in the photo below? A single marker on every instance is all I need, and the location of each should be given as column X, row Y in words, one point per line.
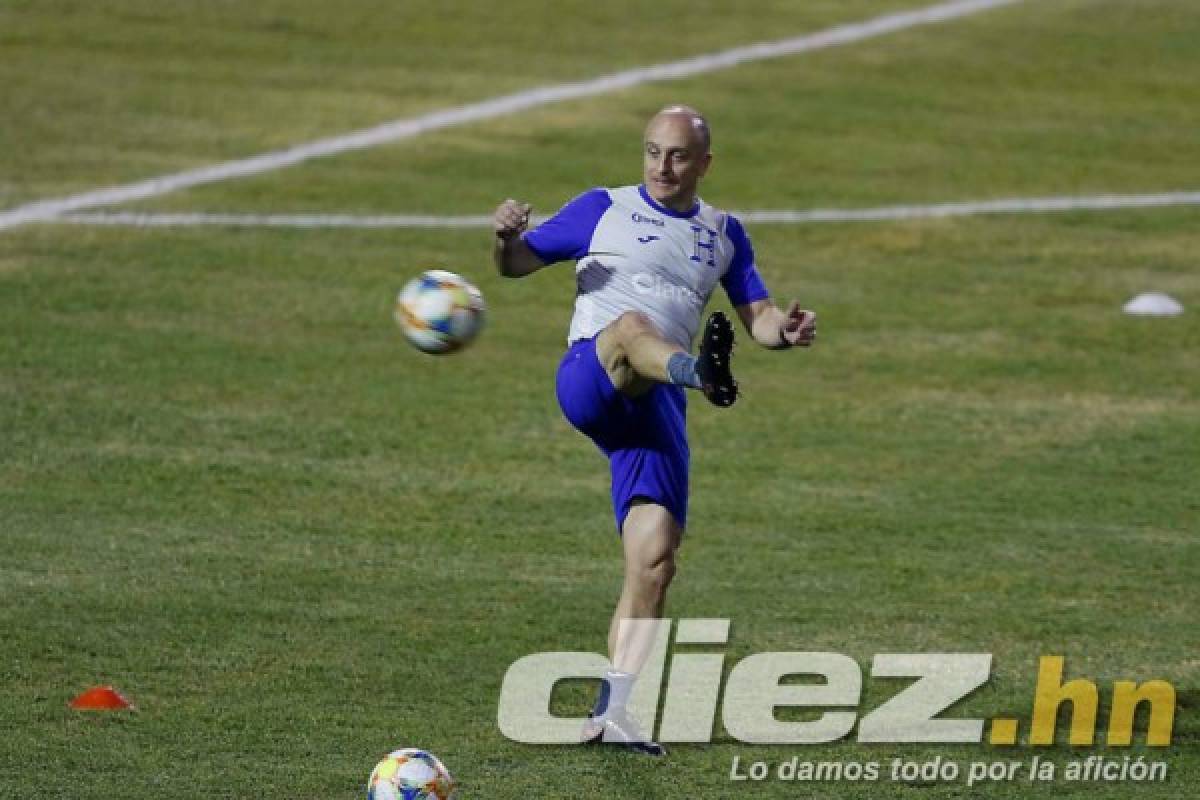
column 741, row 281
column 568, row 234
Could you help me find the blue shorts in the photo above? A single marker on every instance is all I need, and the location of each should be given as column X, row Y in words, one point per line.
column 645, row 438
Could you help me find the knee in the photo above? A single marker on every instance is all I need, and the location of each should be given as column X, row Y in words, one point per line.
column 656, row 577
column 632, row 324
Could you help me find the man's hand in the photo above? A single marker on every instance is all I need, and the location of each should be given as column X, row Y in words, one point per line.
column 776, row 329
column 799, row 327
column 511, row 218
column 513, row 257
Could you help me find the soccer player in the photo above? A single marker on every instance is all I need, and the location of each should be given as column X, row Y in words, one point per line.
column 647, row 258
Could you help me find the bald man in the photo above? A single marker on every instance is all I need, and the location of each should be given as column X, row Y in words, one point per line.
column 647, row 259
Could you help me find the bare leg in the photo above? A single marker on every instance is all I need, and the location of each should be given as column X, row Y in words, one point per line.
column 634, row 353
column 650, row 537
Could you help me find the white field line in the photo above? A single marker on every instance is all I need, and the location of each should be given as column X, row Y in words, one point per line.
column 138, row 219
column 1015, row 205
column 496, row 107
column 1029, row 205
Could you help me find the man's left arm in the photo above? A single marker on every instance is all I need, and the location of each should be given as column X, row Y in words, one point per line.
column 776, row 329
column 771, row 326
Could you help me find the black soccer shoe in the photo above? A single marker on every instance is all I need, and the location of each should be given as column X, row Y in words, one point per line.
column 712, row 363
column 620, row 729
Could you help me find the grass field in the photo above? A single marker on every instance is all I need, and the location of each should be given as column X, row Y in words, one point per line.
column 228, row 488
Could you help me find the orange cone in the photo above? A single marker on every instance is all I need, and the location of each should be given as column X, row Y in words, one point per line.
column 101, row 698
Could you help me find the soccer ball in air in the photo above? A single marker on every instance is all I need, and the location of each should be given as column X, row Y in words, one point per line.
column 439, row 312
column 410, row 774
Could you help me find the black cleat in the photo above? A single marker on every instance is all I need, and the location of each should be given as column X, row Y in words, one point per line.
column 712, row 363
column 621, row 729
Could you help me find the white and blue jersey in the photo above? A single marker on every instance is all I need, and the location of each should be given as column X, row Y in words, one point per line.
column 633, row 254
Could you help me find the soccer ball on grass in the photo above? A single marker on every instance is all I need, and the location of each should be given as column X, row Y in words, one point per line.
column 410, row 774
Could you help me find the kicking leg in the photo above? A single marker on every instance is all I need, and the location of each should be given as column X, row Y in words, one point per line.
column 634, row 353
column 636, row 356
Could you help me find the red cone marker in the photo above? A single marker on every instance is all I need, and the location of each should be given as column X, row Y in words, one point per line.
column 100, row 698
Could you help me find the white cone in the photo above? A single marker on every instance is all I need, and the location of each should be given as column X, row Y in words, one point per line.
column 1154, row 304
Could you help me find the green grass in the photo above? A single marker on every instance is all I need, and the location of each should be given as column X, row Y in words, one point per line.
column 95, row 95
column 228, row 488
column 1061, row 98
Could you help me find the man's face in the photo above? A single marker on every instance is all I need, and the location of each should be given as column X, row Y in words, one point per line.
column 675, row 159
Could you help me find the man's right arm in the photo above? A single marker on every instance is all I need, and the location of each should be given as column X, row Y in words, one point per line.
column 514, row 258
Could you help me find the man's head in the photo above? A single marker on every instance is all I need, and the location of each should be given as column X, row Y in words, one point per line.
column 676, row 154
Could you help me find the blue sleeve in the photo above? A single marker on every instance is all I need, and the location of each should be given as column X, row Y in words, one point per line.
column 742, row 282
column 568, row 233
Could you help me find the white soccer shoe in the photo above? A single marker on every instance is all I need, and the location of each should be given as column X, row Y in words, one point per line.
column 618, row 727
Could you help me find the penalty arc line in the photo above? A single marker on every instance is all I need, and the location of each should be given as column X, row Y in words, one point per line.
column 1028, row 205
column 397, row 130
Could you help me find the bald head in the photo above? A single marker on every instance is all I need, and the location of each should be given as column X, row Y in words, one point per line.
column 684, row 117
column 676, row 156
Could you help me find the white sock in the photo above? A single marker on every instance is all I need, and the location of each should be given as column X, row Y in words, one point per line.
column 614, row 693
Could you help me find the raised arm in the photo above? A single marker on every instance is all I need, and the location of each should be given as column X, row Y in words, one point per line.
column 777, row 329
column 514, row 258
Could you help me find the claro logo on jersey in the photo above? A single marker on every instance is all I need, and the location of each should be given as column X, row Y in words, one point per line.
column 656, row 285
column 830, row 687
